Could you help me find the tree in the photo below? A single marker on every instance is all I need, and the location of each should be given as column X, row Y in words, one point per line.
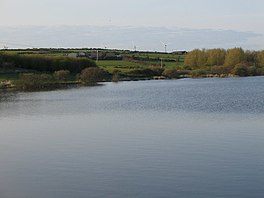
column 196, row 58
column 260, row 58
column 234, row 56
column 251, row 57
column 215, row 57
column 47, row 63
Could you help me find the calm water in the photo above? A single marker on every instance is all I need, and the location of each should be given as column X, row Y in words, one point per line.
column 193, row 138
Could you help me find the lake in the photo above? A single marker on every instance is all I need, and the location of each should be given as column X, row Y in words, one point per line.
column 192, row 138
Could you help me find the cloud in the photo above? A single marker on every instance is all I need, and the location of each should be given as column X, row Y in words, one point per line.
column 146, row 38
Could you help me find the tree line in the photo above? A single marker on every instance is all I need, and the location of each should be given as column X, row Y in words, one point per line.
column 45, row 63
column 220, row 61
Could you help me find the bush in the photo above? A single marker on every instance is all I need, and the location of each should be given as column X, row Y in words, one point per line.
column 171, row 73
column 252, row 71
column 31, row 82
column 199, row 73
column 157, row 71
column 116, row 76
column 241, row 69
column 141, row 73
column 91, row 76
column 260, row 71
column 62, row 75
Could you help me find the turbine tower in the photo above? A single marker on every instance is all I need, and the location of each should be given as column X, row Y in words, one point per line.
column 97, row 55
column 134, row 46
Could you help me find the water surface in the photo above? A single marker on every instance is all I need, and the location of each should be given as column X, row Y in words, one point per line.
column 184, row 138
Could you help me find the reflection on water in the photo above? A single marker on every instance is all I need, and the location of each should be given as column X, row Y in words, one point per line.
column 184, row 138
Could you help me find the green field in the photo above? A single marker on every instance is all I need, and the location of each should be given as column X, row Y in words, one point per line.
column 137, row 60
column 121, row 65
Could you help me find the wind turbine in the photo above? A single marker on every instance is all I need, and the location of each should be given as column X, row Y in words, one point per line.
column 165, row 46
column 134, row 46
column 105, row 46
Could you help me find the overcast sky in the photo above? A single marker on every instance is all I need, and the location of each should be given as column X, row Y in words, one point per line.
column 237, row 15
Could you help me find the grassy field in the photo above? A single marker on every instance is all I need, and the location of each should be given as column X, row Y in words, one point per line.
column 137, row 60
column 121, row 65
column 156, row 55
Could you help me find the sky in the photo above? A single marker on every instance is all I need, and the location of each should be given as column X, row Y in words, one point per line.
column 244, row 18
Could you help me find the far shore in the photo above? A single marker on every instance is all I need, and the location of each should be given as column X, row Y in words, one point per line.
column 41, row 69
column 11, row 85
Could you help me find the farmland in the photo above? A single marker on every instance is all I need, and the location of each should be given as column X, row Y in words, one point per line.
column 128, row 61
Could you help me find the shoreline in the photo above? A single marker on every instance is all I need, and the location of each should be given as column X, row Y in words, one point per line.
column 9, row 85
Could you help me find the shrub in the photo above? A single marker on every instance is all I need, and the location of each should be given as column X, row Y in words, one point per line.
column 91, row 76
column 260, row 71
column 141, row 73
column 252, row 71
column 171, row 73
column 31, row 82
column 62, row 75
column 116, row 76
column 157, row 71
column 241, row 69
column 199, row 73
